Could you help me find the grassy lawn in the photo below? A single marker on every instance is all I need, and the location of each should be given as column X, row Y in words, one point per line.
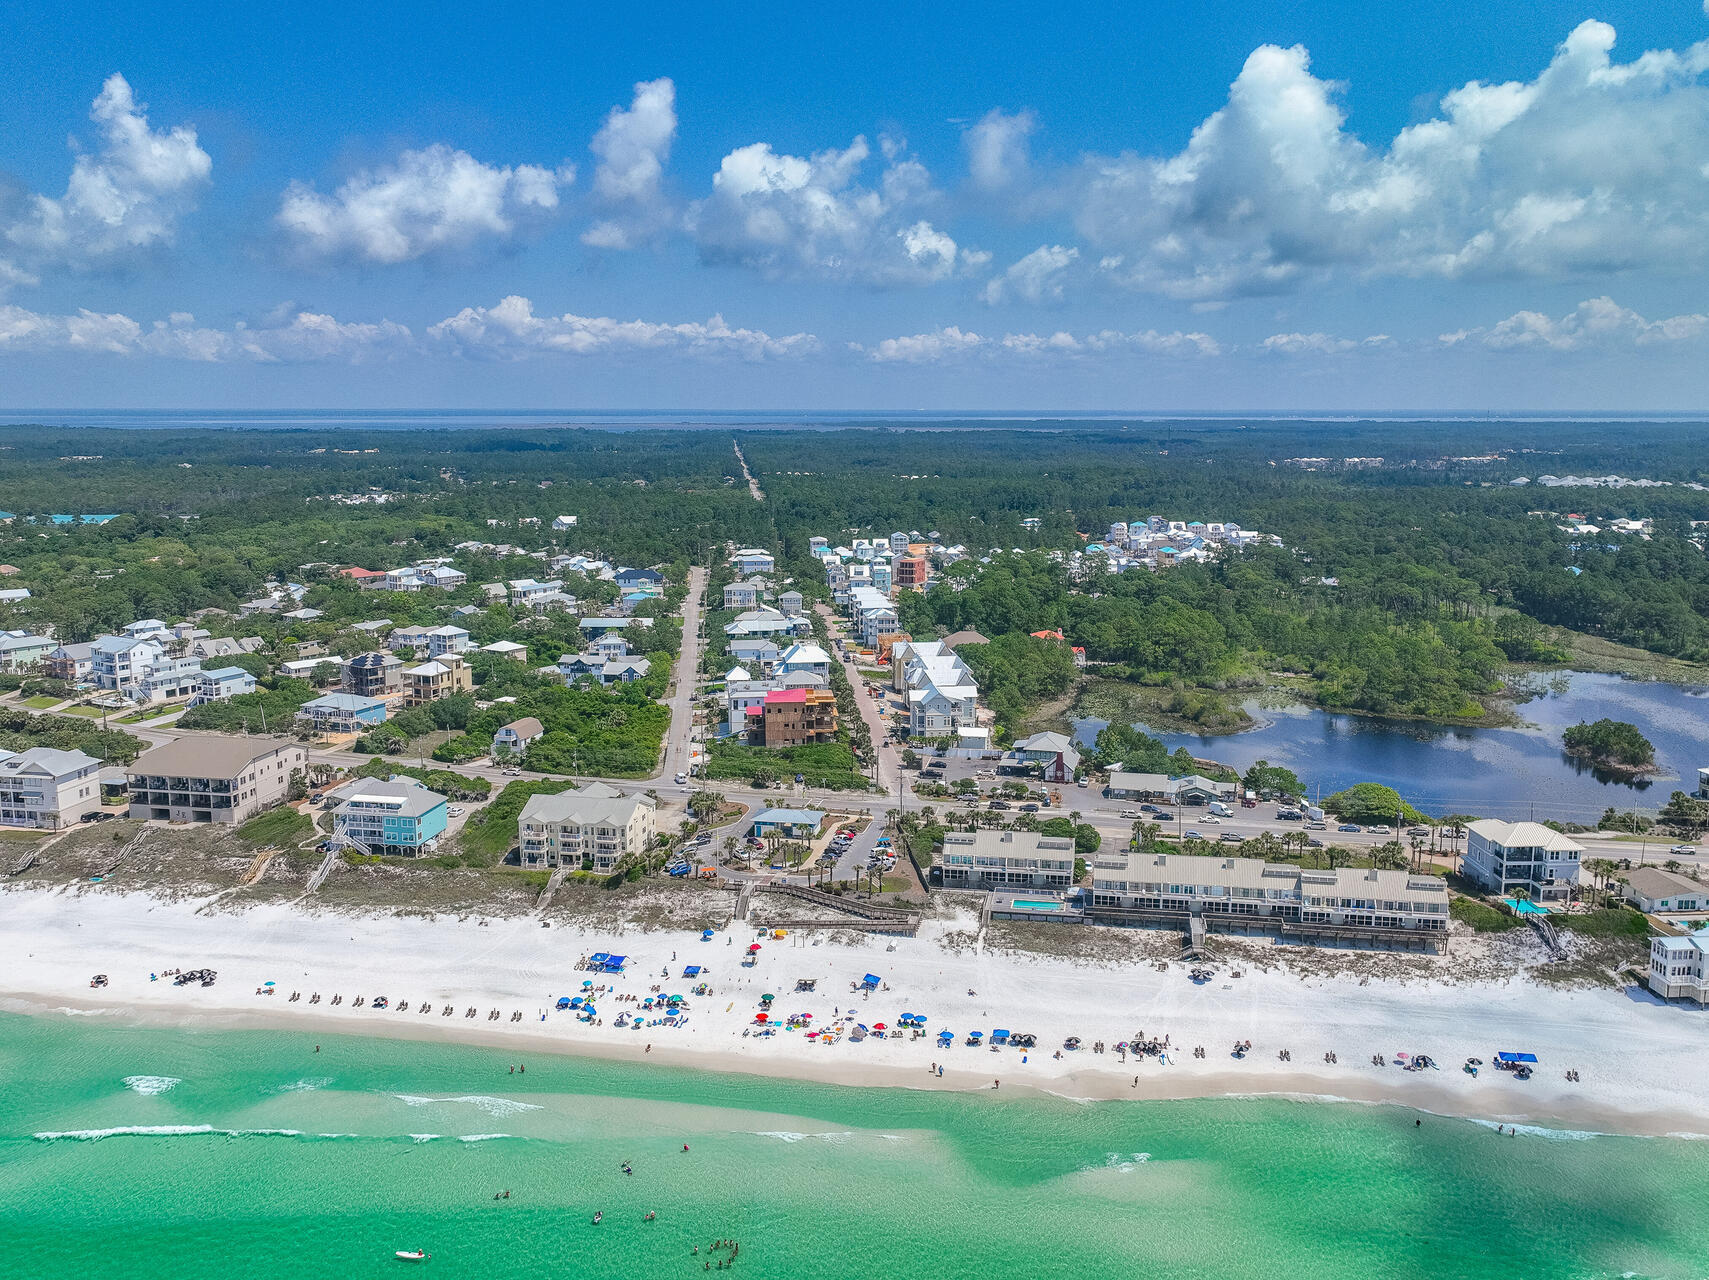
column 9, row 835
column 1609, row 922
column 1481, row 916
column 42, row 701
column 88, row 713
column 152, row 712
column 281, row 826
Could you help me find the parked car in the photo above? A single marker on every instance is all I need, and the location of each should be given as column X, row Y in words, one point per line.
column 998, row 804
column 1317, row 826
column 513, row 773
column 1349, row 826
column 1195, row 835
column 1418, row 831
column 1231, row 837
column 1314, row 843
column 1081, row 783
column 456, row 811
column 1382, row 831
column 1129, row 813
column 1029, row 808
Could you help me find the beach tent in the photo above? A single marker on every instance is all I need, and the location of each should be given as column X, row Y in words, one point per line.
column 999, row 1036
column 1516, row 1057
column 692, row 971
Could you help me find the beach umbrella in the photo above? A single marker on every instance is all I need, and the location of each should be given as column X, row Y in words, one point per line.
column 878, row 1026
column 587, row 984
column 768, row 996
column 753, row 947
column 269, row 984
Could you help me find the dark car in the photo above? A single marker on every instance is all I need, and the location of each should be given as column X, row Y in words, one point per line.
column 1348, row 826
column 1314, row 843
column 1163, row 816
column 998, row 804
column 1029, row 808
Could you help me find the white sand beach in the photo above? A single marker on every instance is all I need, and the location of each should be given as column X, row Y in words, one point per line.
column 1634, row 1055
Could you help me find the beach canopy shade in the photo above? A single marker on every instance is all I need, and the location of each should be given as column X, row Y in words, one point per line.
column 692, row 971
column 1516, row 1057
column 998, row 1033
column 946, row 1035
column 871, row 980
column 563, row 1002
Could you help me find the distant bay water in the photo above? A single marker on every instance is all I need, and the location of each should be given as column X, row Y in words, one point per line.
column 150, row 1154
column 1512, row 773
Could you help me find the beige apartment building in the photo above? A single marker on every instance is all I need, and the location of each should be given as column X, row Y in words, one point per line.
column 213, row 777
column 598, row 823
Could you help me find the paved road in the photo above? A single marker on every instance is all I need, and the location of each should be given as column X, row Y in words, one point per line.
column 872, row 710
column 676, row 755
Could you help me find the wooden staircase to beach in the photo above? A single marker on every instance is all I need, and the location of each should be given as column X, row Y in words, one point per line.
column 552, row 883
column 323, row 871
column 258, row 868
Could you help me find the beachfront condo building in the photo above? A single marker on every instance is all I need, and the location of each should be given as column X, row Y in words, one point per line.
column 1507, row 857
column 213, row 777
column 595, row 826
column 1136, row 886
column 46, row 789
column 1007, row 860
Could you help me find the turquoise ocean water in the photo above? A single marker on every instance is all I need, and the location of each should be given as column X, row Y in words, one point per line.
column 150, row 1153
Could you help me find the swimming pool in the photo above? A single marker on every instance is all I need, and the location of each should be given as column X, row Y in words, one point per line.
column 1523, row 908
column 1028, row 904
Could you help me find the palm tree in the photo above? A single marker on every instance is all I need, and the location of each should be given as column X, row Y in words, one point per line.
column 1146, row 833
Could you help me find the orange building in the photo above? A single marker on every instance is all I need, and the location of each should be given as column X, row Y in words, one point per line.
column 909, row 573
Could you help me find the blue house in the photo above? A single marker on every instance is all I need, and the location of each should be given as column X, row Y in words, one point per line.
column 398, row 817
column 799, row 824
column 342, row 713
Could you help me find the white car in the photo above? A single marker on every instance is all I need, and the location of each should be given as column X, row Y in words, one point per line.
column 456, row 811
column 1210, row 822
column 1382, row 831
column 681, row 778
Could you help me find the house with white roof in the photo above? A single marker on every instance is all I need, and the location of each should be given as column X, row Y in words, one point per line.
column 507, row 649
column 752, row 560
column 1679, row 966
column 804, row 656
column 942, row 694
column 1507, row 856
column 119, row 663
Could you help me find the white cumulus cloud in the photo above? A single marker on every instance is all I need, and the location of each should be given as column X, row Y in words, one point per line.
column 126, row 195
column 510, row 329
column 1320, row 344
column 1038, row 277
column 306, row 337
column 1592, row 166
column 811, row 217
column 998, row 149
column 633, row 146
column 1594, row 322
column 434, row 199
column 951, row 342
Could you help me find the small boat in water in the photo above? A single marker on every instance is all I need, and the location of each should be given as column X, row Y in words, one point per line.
column 414, row 1255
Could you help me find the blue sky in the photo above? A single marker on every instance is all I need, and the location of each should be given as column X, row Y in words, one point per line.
column 1229, row 206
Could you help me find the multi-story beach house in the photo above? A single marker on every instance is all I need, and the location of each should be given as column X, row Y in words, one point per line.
column 597, row 824
column 119, row 663
column 1507, row 856
column 1007, row 860
column 213, row 777
column 342, row 713
column 373, row 675
column 440, row 678
column 513, row 739
column 222, row 683
column 21, row 651
column 46, row 788
column 1679, row 966
column 395, row 818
